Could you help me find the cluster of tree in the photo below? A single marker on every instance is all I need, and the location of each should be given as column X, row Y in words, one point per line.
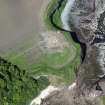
column 17, row 87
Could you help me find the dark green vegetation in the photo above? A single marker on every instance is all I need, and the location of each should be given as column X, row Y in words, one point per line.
column 16, row 86
column 74, row 64
column 104, row 100
column 57, row 14
column 20, row 86
column 58, row 22
column 45, row 64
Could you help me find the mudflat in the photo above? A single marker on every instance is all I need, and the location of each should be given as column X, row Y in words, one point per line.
column 19, row 21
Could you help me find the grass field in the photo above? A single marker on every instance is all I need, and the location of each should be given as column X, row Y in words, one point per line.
column 58, row 64
column 57, row 14
column 104, row 100
column 56, row 67
column 71, row 66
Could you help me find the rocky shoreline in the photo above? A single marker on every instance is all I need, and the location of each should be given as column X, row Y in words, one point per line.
column 86, row 19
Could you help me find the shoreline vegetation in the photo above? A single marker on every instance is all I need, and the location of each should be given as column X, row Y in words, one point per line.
column 57, row 20
column 69, row 67
column 38, row 76
column 17, row 87
column 20, row 85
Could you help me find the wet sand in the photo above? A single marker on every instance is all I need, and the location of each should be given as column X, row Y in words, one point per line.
column 19, row 21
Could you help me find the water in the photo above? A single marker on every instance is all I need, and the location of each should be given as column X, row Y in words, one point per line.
column 65, row 14
column 19, row 20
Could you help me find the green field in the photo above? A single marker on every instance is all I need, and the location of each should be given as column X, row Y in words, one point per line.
column 56, row 16
column 70, row 67
column 56, row 63
column 39, row 68
column 104, row 100
column 17, row 87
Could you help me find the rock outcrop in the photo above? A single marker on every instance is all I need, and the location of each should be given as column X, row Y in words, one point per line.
column 87, row 19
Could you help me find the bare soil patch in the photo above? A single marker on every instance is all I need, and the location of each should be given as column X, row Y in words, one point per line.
column 53, row 42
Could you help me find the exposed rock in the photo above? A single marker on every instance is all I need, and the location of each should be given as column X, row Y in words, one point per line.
column 86, row 18
column 70, row 96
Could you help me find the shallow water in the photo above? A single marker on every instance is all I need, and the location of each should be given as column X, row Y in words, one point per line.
column 19, row 19
column 65, row 14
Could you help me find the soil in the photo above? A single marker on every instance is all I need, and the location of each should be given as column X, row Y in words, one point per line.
column 19, row 21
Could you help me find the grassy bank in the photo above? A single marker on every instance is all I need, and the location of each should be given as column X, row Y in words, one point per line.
column 103, row 100
column 49, row 63
column 68, row 69
column 17, row 87
column 56, row 16
column 42, row 69
column 71, row 66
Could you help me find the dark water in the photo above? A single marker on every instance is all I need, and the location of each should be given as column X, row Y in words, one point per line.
column 73, row 34
column 99, row 38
